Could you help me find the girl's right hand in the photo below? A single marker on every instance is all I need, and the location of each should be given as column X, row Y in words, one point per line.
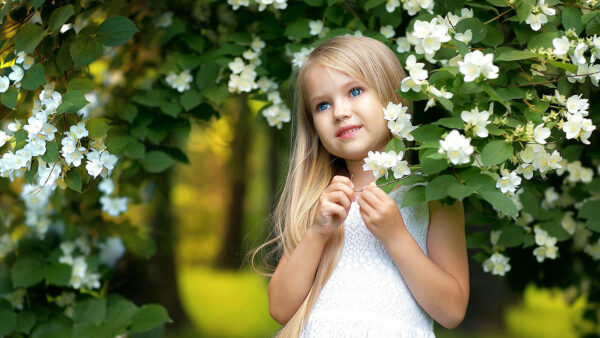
column 334, row 205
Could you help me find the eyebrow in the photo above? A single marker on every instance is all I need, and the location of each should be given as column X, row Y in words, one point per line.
column 316, row 98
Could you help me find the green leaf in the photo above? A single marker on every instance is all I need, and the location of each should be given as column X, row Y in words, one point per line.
column 542, row 40
column 157, row 161
column 5, row 280
column 415, row 196
column 25, row 322
column 170, row 108
column 135, row 149
column 396, row 145
column 9, row 98
column 73, row 180
column 8, row 321
column 510, row 54
column 478, row 28
column 119, row 312
column 190, row 99
column 298, row 29
column 51, row 154
column 81, row 84
column 571, row 18
column 524, row 9
column 587, row 17
column 496, row 152
column 563, row 65
column 59, row 16
column 148, row 317
column 451, row 122
column 427, row 132
column 459, row 191
column 34, row 77
column 437, row 188
column 429, row 165
column 373, row 3
column 572, row 153
column 53, row 329
column 500, row 202
column 58, row 274
column 63, row 58
column 116, row 31
column 216, row 94
column 72, row 102
column 128, row 112
column 27, row 271
column 207, row 75
column 90, row 310
column 28, row 38
column 97, row 126
column 511, row 236
column 86, row 47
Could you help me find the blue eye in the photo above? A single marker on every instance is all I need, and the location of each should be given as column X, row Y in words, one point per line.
column 355, row 89
column 319, row 105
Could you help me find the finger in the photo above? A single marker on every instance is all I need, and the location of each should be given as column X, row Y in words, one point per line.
column 370, row 197
column 342, row 179
column 333, row 209
column 339, row 197
column 365, row 207
column 340, row 186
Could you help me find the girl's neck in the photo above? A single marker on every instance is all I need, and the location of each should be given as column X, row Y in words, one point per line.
column 359, row 177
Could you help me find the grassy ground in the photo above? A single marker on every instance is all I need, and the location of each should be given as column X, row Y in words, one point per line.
column 227, row 304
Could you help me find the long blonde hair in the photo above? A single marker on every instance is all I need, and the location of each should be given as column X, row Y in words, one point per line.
column 312, row 167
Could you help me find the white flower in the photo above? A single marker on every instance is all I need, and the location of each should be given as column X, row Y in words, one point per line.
column 497, row 264
column 375, row 163
column 301, row 57
column 401, row 168
column 391, row 5
column 457, row 147
column 79, row 130
column 536, row 21
column 464, row 37
column 111, row 250
column 107, row 186
column 508, row 182
column 476, row 64
column 20, row 57
column 402, row 127
column 277, row 114
column 74, row 158
column 316, row 26
column 403, row 45
column 576, row 105
column 547, row 247
column 525, row 169
column 36, row 147
column 182, row 81
column 546, row 9
column 577, row 57
column 97, row 162
column 4, row 84
column 113, row 206
column 568, row 223
column 3, row 138
column 33, row 126
column 235, row 4
column 387, row 31
column 165, row 20
column 257, row 44
column 394, row 111
column 17, row 74
column 478, row 120
column 540, row 134
column 561, row 46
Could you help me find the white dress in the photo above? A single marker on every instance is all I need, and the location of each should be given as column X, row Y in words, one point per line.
column 366, row 296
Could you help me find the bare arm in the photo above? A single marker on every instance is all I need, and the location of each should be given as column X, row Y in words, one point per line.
column 440, row 282
column 294, row 276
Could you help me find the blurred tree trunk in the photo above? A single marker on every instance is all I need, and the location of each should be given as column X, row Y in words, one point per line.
column 155, row 280
column 231, row 255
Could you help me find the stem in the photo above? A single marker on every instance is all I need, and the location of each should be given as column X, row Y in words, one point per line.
column 498, row 16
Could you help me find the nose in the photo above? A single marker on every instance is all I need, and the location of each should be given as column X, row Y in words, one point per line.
column 341, row 110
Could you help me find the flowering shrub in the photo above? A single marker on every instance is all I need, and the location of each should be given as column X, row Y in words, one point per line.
column 509, row 129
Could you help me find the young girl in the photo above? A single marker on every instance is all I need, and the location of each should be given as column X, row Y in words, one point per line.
column 355, row 264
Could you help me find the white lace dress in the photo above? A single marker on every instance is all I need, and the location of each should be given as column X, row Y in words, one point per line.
column 366, row 296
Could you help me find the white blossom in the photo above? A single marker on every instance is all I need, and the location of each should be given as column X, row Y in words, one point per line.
column 497, row 264
column 561, row 46
column 457, row 147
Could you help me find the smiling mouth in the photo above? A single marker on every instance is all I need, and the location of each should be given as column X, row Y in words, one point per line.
column 349, row 133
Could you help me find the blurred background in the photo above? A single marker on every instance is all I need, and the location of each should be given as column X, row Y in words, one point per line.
column 219, row 205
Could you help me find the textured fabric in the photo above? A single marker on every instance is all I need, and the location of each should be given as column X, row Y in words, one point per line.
column 366, row 296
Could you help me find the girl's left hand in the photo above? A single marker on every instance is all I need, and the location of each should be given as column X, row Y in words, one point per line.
column 381, row 214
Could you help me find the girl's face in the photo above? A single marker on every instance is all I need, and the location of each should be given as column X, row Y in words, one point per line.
column 338, row 101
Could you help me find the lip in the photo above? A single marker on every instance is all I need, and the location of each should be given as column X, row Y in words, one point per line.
column 346, row 128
